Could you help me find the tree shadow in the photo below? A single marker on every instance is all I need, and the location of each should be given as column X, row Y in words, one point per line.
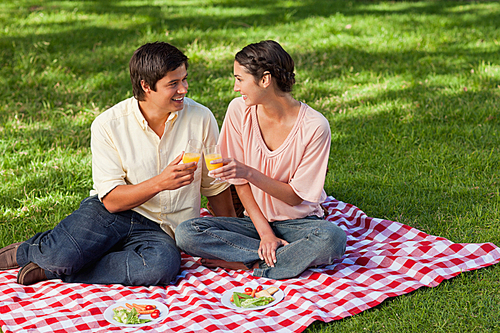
column 99, row 43
column 90, row 51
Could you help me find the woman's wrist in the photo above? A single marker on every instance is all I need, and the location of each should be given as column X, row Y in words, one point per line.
column 248, row 174
column 266, row 232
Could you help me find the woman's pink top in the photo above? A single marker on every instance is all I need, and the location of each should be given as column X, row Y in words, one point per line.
column 301, row 160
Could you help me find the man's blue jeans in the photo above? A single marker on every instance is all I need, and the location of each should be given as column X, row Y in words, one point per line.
column 312, row 241
column 93, row 245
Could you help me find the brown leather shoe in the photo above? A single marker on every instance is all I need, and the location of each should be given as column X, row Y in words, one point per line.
column 8, row 259
column 30, row 273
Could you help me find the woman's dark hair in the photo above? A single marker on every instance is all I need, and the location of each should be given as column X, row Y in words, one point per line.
column 268, row 56
column 151, row 62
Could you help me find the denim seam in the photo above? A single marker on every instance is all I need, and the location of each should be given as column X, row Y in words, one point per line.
column 228, row 243
column 143, row 260
column 133, row 221
column 284, row 226
column 127, row 268
column 219, row 238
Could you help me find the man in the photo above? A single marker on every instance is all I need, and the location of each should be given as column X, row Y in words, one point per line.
column 124, row 231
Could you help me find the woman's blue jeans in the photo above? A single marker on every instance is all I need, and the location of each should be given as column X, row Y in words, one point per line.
column 93, row 245
column 312, row 241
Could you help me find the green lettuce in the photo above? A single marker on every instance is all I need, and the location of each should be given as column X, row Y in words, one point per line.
column 255, row 302
column 128, row 317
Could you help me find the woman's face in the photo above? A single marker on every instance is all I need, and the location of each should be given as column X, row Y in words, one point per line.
column 245, row 84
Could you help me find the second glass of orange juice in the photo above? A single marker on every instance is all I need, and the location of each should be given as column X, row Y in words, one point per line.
column 212, row 153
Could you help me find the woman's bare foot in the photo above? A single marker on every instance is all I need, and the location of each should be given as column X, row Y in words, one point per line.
column 234, row 265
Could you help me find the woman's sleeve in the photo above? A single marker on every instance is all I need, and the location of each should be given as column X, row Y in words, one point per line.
column 309, row 178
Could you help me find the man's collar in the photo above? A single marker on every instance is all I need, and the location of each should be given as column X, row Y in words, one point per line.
column 143, row 122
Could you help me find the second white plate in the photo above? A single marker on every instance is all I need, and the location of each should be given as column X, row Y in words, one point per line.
column 278, row 296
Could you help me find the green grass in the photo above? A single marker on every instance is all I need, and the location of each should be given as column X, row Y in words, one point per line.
column 411, row 90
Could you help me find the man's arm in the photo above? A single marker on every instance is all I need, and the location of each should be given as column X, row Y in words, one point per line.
column 125, row 197
column 222, row 203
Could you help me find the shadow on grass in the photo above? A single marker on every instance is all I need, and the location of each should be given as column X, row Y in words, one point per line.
column 98, row 45
column 279, row 12
column 91, row 51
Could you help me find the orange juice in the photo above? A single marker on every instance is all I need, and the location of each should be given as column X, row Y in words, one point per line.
column 190, row 157
column 211, row 157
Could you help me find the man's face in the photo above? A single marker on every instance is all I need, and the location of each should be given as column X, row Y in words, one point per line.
column 170, row 91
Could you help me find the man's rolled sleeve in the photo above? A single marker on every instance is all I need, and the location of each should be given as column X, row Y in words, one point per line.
column 107, row 171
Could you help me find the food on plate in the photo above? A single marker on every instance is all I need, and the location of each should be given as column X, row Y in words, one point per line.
column 142, row 308
column 272, row 290
column 252, row 298
column 155, row 314
column 266, row 292
column 124, row 316
column 130, row 314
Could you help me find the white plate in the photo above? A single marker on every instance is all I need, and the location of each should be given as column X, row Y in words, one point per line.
column 278, row 296
column 108, row 314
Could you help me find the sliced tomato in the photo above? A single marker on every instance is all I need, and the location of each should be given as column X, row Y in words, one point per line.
column 155, row 314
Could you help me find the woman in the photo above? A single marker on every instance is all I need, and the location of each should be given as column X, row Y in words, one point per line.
column 277, row 149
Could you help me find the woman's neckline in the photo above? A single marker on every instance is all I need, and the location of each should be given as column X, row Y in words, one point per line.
column 290, row 136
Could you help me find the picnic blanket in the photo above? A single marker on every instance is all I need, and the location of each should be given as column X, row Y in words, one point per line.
column 383, row 259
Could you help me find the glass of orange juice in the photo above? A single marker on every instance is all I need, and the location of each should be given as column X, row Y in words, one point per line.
column 212, row 153
column 192, row 152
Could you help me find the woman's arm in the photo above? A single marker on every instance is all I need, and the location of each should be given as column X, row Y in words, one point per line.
column 235, row 169
column 269, row 243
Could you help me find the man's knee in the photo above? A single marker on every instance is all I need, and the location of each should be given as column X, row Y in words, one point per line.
column 184, row 234
column 61, row 260
column 161, row 267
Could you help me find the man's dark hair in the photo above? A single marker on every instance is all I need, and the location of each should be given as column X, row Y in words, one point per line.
column 151, row 62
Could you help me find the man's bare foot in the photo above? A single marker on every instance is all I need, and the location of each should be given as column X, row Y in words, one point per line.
column 234, row 265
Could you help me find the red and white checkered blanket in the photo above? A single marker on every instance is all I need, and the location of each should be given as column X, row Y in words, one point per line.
column 383, row 259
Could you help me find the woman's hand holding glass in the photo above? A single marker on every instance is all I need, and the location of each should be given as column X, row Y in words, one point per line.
column 212, row 153
column 232, row 169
